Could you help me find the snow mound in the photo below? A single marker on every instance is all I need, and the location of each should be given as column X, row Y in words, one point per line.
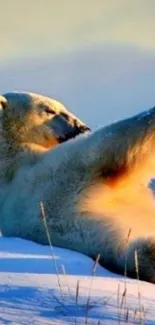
column 35, row 289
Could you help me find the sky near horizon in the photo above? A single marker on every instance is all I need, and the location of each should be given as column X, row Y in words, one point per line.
column 96, row 56
column 40, row 27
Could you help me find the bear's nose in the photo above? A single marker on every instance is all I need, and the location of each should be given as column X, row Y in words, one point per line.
column 73, row 131
column 82, row 128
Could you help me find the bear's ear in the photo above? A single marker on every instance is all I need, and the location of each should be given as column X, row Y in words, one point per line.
column 3, row 102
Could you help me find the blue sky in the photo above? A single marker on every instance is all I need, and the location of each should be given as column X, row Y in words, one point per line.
column 98, row 57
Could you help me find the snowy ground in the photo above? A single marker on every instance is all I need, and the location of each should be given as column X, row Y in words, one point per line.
column 30, row 293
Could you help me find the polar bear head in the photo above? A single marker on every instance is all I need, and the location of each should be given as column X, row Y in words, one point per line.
column 35, row 120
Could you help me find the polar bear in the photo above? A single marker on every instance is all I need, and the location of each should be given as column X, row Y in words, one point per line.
column 95, row 187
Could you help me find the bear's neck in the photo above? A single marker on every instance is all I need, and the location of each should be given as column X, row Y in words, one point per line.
column 13, row 157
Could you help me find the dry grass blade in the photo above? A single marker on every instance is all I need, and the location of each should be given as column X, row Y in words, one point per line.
column 77, row 292
column 124, row 294
column 123, row 297
column 51, row 247
column 91, row 285
column 95, row 264
column 126, row 246
column 141, row 310
column 127, row 316
column 67, row 282
column 118, row 303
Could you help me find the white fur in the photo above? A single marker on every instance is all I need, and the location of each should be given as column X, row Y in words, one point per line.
column 94, row 190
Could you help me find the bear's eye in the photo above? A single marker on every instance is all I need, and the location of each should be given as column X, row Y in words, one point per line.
column 49, row 111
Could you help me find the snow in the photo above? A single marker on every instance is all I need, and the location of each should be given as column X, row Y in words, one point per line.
column 31, row 291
